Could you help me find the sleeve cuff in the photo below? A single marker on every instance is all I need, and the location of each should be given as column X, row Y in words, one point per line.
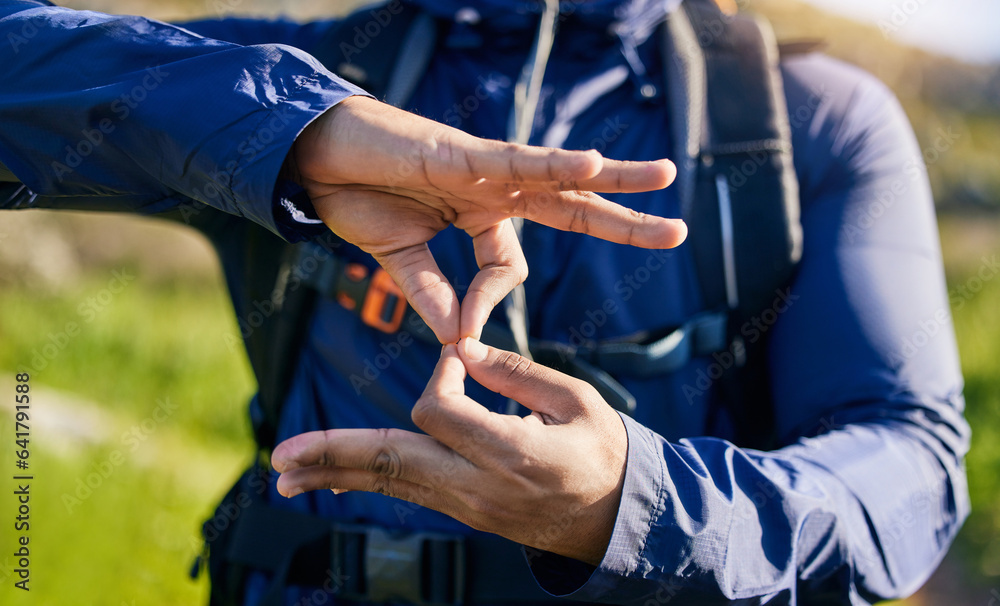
column 294, row 216
column 641, row 504
column 258, row 192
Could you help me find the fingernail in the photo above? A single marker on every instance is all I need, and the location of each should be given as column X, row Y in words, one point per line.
column 294, row 493
column 338, row 490
column 475, row 349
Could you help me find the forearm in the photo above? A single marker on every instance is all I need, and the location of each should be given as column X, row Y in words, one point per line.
column 126, row 113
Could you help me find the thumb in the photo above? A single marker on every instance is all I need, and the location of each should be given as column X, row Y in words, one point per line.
column 540, row 388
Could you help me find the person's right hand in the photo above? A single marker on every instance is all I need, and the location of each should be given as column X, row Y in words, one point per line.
column 388, row 181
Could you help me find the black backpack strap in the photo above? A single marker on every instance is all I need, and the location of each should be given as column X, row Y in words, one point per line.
column 739, row 193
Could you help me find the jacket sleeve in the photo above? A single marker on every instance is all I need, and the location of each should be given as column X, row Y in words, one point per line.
column 122, row 113
column 865, row 496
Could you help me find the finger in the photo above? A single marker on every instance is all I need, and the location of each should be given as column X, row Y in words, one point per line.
column 588, row 213
column 343, row 480
column 426, row 289
column 540, row 388
column 394, row 453
column 459, row 422
column 501, row 267
column 376, row 143
column 499, row 161
column 617, row 176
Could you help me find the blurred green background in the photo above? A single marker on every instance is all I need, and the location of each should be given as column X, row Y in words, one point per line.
column 145, row 402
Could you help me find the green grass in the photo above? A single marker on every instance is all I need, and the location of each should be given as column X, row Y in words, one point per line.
column 134, row 536
column 977, row 326
column 148, row 342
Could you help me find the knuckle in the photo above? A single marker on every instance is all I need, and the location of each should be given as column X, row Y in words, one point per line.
column 580, row 222
column 386, row 460
column 516, row 367
column 324, row 456
column 382, row 485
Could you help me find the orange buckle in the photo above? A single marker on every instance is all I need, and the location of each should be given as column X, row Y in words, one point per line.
column 384, row 303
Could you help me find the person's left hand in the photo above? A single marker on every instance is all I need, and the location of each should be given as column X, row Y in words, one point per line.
column 551, row 480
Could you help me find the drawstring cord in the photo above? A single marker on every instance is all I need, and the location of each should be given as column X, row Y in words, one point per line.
column 526, row 96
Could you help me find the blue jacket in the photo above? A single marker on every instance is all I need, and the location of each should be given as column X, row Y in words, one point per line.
column 867, row 489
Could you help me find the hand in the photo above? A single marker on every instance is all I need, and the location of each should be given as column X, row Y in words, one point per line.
column 388, row 181
column 551, row 480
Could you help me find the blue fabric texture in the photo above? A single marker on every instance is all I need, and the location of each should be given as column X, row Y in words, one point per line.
column 151, row 115
column 867, row 489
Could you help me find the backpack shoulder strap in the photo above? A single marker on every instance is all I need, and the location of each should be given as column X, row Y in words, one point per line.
column 735, row 152
column 385, row 50
column 739, row 192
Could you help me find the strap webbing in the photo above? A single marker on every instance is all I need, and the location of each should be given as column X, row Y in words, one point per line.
column 302, row 549
column 412, row 63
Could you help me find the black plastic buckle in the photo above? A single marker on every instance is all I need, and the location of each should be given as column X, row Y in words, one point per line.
column 420, row 568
